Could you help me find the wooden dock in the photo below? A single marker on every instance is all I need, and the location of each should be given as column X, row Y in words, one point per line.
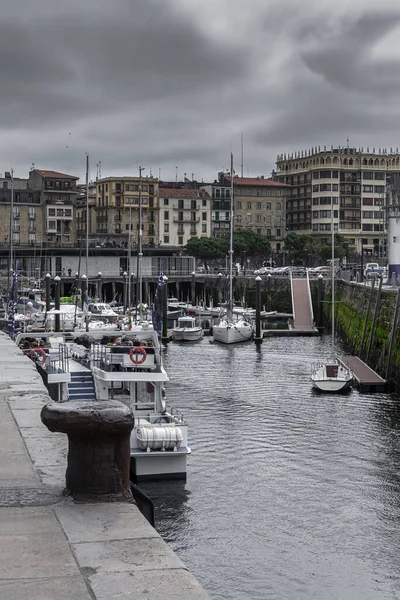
column 366, row 378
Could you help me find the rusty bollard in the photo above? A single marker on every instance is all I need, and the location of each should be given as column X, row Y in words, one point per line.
column 98, row 446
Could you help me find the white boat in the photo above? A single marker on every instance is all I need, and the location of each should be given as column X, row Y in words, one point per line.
column 332, row 375
column 102, row 309
column 187, row 329
column 128, row 369
column 227, row 330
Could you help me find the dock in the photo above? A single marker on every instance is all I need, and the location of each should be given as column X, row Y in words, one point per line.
column 303, row 318
column 54, row 547
column 366, row 379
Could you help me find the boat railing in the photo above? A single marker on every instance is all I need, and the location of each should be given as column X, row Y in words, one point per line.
column 117, row 358
column 52, row 360
column 176, row 414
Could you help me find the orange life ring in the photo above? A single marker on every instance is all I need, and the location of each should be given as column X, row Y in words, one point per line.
column 138, row 355
column 38, row 351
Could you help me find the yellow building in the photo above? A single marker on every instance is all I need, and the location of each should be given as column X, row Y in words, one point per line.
column 117, row 210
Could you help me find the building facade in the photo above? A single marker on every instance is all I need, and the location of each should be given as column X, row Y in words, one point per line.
column 117, row 210
column 259, row 205
column 58, row 202
column 23, row 223
column 184, row 213
column 347, row 185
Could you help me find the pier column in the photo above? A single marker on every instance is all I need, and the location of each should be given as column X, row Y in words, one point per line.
column 98, row 446
column 164, row 310
column 85, row 300
column 57, row 281
column 193, row 289
column 269, row 283
column 258, row 338
column 47, row 280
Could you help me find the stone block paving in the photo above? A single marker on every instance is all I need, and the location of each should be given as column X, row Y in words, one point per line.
column 52, row 548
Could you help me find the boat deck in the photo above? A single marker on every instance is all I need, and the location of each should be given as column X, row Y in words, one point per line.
column 366, row 378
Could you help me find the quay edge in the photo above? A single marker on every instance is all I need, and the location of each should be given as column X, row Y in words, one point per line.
column 70, row 550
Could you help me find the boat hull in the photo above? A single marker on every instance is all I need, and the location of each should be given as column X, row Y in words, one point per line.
column 187, row 335
column 331, row 378
column 152, row 466
column 232, row 333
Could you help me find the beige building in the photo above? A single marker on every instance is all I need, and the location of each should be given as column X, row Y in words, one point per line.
column 260, row 205
column 25, row 227
column 117, row 210
column 184, row 213
column 58, row 201
column 350, row 182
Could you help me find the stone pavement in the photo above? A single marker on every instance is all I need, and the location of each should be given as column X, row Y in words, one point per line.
column 52, row 548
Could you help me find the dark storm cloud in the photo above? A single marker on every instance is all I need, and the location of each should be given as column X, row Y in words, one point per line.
column 175, row 83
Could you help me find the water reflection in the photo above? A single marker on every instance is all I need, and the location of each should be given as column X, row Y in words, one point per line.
column 290, row 494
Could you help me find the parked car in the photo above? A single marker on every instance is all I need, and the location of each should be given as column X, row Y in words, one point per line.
column 263, row 271
column 323, row 270
column 372, row 269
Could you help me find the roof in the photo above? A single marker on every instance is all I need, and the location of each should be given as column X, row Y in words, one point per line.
column 256, row 181
column 54, row 174
column 182, row 193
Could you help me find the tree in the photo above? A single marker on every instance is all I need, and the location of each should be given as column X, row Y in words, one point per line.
column 247, row 244
column 296, row 246
column 206, row 248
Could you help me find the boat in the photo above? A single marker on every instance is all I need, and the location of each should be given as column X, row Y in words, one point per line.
column 187, row 329
column 128, row 368
column 102, row 309
column 230, row 328
column 332, row 375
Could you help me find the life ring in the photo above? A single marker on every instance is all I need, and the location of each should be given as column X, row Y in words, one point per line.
column 39, row 351
column 138, row 355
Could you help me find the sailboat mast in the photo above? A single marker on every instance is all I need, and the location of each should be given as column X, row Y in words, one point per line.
column 333, row 279
column 140, row 246
column 12, row 227
column 230, row 307
column 87, row 218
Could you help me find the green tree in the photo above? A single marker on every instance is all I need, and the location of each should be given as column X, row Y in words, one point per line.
column 296, row 246
column 206, row 249
column 247, row 244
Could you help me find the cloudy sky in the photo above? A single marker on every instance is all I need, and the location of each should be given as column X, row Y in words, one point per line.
column 174, row 83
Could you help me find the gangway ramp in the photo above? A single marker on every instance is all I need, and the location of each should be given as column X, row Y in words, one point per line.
column 303, row 316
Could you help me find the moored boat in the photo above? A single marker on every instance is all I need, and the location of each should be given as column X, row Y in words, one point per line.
column 187, row 329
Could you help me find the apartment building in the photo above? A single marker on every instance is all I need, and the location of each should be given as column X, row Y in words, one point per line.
column 117, row 210
column 259, row 205
column 25, row 226
column 58, row 194
column 350, row 182
column 184, row 213
column 86, row 201
column 221, row 208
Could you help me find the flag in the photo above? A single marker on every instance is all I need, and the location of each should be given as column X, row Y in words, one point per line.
column 12, row 303
column 157, row 314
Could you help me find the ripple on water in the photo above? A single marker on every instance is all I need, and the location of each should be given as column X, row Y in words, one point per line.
column 290, row 494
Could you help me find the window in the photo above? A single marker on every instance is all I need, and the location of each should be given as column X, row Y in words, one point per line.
column 166, row 201
column 166, row 227
column 268, row 233
column 268, row 205
column 193, row 216
column 217, row 216
column 268, row 219
column 258, row 205
column 204, row 228
column 368, row 214
column 180, row 204
column 31, row 212
column 180, row 240
column 367, row 227
column 325, row 175
column 259, row 219
column 278, row 206
column 380, row 175
column 204, row 216
column 217, row 193
column 324, row 227
column 180, row 216
column 379, row 189
column 51, row 224
column 368, row 175
column 315, row 188
column 193, row 228
column 368, row 201
column 68, row 212
column 227, row 216
column 368, row 188
column 249, row 219
column 315, row 214
column 325, row 214
column 278, row 233
column 166, row 239
column 335, row 187
column 118, row 201
column 239, row 205
column 378, row 214
column 193, row 205
column 325, row 187
column 32, row 238
column 249, row 206
column 166, row 215
column 204, row 202
column 15, row 237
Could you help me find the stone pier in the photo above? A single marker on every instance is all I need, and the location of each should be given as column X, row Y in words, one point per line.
column 52, row 547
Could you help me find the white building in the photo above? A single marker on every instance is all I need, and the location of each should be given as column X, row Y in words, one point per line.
column 183, row 214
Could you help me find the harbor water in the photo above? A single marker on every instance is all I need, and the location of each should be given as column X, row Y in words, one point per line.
column 290, row 494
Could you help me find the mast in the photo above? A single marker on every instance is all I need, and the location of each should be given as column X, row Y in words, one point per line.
column 333, row 279
column 140, row 248
column 230, row 305
column 11, row 225
column 87, row 217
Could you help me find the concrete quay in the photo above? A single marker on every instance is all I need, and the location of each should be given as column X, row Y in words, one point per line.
column 52, row 548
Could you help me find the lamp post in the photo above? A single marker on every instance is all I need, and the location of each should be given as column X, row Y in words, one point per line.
column 47, row 280
column 57, row 281
column 85, row 301
column 99, row 276
column 125, row 290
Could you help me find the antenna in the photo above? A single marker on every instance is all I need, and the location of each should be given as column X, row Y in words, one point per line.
column 176, row 174
column 241, row 166
column 159, row 174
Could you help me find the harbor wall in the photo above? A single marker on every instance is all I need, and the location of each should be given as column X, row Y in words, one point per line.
column 364, row 319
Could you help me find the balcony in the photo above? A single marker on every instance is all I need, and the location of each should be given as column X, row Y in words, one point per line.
column 186, row 220
column 351, row 206
column 193, row 232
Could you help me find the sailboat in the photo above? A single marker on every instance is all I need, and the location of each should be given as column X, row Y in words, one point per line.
column 332, row 376
column 228, row 330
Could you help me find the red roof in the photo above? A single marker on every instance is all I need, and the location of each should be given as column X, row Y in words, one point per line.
column 257, row 181
column 54, row 174
column 182, row 193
